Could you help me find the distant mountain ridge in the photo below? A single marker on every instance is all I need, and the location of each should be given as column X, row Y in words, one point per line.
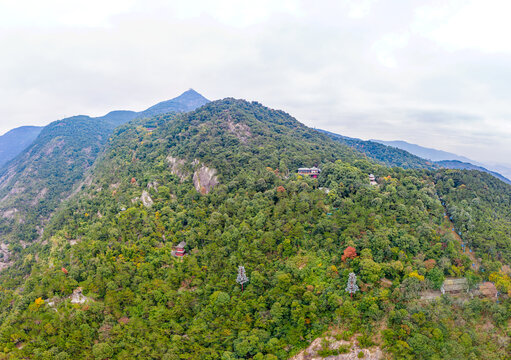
column 188, row 101
column 424, row 152
column 384, row 154
column 456, row 164
column 450, row 160
column 405, row 157
column 18, row 139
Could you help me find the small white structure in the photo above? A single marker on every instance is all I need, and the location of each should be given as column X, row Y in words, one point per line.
column 372, row 179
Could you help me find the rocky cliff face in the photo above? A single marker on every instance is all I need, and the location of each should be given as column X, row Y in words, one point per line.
column 204, row 179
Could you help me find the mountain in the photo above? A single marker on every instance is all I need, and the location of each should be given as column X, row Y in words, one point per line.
column 187, row 101
column 424, row 152
column 220, row 184
column 449, row 160
column 15, row 141
column 456, row 164
column 118, row 117
column 33, row 184
column 503, row 169
column 388, row 155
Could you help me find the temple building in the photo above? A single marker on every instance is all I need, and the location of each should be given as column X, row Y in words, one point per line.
column 179, row 250
column 312, row 172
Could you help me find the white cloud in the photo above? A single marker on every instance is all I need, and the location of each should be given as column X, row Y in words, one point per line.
column 477, row 24
column 60, row 13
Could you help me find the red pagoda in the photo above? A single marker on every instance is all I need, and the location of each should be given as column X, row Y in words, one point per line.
column 179, row 251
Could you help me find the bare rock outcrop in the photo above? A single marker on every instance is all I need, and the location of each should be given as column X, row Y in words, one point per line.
column 177, row 167
column 10, row 213
column 153, row 185
column 52, row 145
column 39, row 196
column 146, row 199
column 204, row 179
column 5, row 258
column 350, row 351
column 241, row 131
column 77, row 297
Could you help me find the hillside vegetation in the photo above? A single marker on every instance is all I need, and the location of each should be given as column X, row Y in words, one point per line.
column 32, row 186
column 455, row 164
column 480, row 206
column 56, row 164
column 103, row 282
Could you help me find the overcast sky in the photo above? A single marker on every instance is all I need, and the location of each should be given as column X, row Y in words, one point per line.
column 435, row 73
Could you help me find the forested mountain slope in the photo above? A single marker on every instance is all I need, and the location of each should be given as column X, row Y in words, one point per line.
column 33, row 185
column 480, row 206
column 387, row 155
column 390, row 154
column 455, row 164
column 424, row 152
column 104, row 283
column 449, row 160
column 16, row 140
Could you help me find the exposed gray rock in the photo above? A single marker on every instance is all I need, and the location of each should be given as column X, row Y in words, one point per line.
column 177, row 167
column 204, row 179
column 146, row 199
column 241, row 131
column 77, row 297
column 9, row 213
column 5, row 260
column 39, row 196
column 311, row 353
column 153, row 185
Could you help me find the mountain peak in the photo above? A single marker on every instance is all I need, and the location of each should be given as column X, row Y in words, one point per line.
column 187, row 101
column 190, row 95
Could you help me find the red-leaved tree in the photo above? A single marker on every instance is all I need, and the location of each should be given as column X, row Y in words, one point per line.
column 349, row 253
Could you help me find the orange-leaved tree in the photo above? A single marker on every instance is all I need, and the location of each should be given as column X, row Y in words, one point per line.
column 349, row 253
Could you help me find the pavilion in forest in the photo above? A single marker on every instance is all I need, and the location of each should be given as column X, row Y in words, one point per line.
column 312, row 172
column 179, row 250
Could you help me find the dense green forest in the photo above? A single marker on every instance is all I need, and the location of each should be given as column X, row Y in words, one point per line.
column 480, row 206
column 223, row 179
